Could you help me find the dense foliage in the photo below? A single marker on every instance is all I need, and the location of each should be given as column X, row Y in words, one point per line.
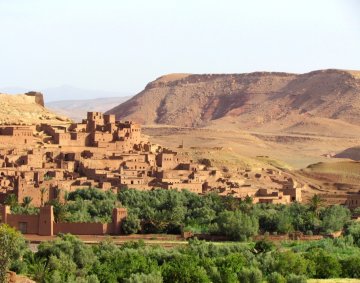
column 11, row 246
column 25, row 208
column 170, row 211
column 163, row 211
column 67, row 259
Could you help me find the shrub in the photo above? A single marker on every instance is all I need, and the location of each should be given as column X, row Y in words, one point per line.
column 145, row 278
column 131, row 224
column 293, row 278
column 276, row 278
column 237, row 225
column 250, row 275
column 326, row 265
column 264, row 246
column 351, row 267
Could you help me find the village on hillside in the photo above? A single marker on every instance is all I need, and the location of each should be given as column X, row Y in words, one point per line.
column 44, row 162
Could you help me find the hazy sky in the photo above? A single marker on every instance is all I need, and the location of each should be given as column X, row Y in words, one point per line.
column 121, row 45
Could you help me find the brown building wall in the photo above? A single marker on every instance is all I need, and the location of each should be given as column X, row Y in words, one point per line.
column 46, row 221
column 80, row 228
column 353, row 201
column 192, row 187
column 31, row 223
column 43, row 224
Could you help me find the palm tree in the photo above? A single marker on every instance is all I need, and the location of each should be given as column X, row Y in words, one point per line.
column 27, row 201
column 316, row 202
column 43, row 190
column 37, row 267
column 66, row 196
column 11, row 200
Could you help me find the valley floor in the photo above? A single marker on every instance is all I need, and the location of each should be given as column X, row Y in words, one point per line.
column 238, row 149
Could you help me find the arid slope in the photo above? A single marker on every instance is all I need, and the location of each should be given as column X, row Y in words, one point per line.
column 325, row 101
column 24, row 109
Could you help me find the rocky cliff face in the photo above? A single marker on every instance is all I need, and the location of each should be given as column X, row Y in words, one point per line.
column 27, row 109
column 253, row 100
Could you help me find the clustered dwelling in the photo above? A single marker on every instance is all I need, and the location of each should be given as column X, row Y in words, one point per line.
column 45, row 161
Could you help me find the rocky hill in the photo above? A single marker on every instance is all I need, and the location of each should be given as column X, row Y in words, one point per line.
column 27, row 109
column 324, row 101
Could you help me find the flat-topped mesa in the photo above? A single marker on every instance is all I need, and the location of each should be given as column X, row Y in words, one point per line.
column 254, row 101
column 98, row 130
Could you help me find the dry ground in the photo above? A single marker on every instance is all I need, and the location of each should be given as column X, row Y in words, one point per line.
column 306, row 156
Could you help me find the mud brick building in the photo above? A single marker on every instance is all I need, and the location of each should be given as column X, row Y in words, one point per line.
column 43, row 162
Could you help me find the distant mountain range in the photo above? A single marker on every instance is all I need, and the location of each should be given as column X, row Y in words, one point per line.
column 65, row 92
column 324, row 101
column 77, row 109
column 75, row 102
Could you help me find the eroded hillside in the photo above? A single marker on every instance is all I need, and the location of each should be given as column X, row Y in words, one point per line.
column 323, row 101
column 27, row 109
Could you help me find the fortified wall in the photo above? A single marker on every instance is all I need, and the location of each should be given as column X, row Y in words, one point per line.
column 43, row 224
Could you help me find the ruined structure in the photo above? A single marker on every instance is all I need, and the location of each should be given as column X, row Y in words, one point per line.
column 45, row 161
column 353, row 201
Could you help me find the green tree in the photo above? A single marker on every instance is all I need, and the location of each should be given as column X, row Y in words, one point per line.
column 237, row 225
column 264, row 246
column 11, row 200
column 326, row 264
column 354, row 231
column 334, row 218
column 284, row 223
column 27, row 201
column 276, row 278
column 290, row 262
column 43, row 190
column 10, row 239
column 184, row 269
column 351, row 267
column 131, row 225
column 154, row 277
column 315, row 203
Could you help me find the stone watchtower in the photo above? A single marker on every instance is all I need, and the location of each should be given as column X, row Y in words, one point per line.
column 38, row 96
column 46, row 221
column 118, row 216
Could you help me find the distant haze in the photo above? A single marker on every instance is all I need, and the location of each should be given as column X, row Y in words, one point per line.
column 66, row 93
column 119, row 46
column 77, row 109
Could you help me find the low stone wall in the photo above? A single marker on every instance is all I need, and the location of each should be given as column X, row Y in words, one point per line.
column 32, row 222
column 80, row 228
column 44, row 224
column 288, row 237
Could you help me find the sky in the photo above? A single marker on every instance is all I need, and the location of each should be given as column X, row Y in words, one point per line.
column 119, row 46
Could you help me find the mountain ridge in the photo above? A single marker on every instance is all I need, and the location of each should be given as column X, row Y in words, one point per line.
column 252, row 100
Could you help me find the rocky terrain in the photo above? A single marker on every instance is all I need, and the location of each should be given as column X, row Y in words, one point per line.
column 76, row 109
column 27, row 109
column 324, row 102
column 293, row 122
